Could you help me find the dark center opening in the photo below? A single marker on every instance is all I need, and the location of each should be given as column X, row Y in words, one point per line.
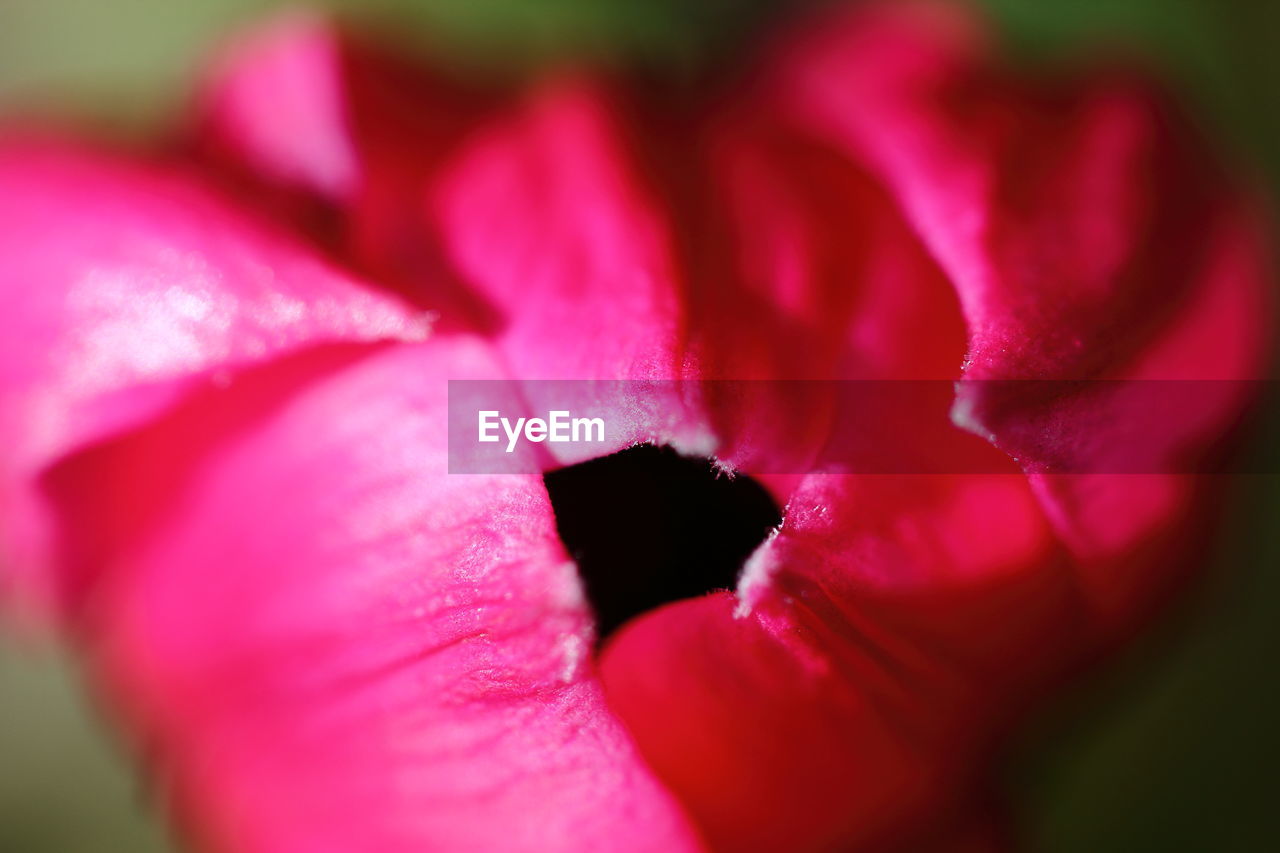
column 648, row 526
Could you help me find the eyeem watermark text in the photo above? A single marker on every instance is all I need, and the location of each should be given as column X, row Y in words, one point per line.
column 865, row 427
column 559, row 427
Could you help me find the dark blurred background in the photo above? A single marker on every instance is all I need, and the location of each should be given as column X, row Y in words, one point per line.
column 1174, row 748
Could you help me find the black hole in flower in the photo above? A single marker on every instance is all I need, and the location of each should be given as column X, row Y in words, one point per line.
column 648, row 526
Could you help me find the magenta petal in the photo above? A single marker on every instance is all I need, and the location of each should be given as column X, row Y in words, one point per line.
column 800, row 267
column 846, row 700
column 1133, row 534
column 343, row 140
column 276, row 101
column 123, row 286
column 544, row 215
column 814, row 258
column 330, row 643
column 1035, row 202
column 1051, row 209
column 1087, row 236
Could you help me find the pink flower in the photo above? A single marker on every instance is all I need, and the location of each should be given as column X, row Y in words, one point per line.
column 223, row 396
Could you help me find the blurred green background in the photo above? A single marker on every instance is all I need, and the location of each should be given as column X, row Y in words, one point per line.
column 1176, row 748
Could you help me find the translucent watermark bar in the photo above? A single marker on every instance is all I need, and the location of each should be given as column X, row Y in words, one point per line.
column 862, row 426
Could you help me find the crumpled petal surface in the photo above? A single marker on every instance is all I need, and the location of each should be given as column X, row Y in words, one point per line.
column 1088, row 236
column 323, row 641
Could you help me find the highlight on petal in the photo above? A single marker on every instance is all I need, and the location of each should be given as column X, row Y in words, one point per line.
column 123, row 286
column 323, row 641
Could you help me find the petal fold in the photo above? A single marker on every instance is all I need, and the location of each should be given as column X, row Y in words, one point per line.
column 1095, row 248
column 122, row 287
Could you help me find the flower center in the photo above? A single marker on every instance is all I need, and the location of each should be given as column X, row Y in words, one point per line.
column 648, row 526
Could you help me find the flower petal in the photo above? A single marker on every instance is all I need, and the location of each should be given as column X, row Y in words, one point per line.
column 847, row 701
column 895, row 626
column 1088, row 236
column 799, row 268
column 327, row 642
column 275, row 102
column 325, row 128
column 122, row 287
column 545, row 216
